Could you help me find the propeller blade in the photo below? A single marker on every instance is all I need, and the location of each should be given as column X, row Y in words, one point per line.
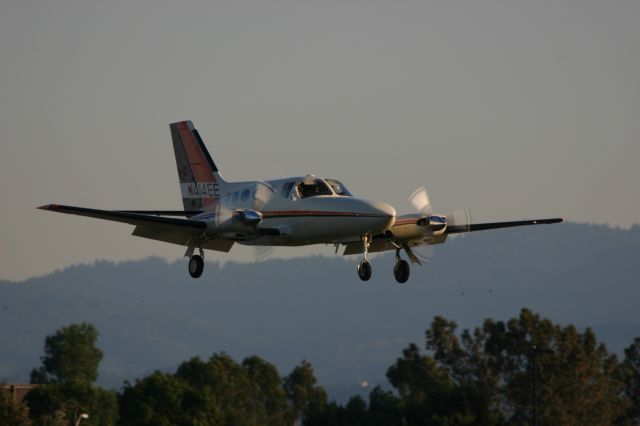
column 264, row 193
column 460, row 218
column 419, row 199
column 262, row 252
column 424, row 252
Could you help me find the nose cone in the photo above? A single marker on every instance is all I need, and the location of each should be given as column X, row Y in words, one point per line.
column 383, row 215
column 383, row 209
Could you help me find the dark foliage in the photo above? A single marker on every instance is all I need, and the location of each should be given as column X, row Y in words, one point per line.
column 484, row 376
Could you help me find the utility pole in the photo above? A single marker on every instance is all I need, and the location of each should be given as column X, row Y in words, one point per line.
column 534, row 352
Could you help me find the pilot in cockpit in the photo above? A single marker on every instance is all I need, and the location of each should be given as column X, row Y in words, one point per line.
column 313, row 188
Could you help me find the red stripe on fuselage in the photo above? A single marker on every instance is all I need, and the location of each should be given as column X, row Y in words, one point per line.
column 303, row 213
column 293, row 213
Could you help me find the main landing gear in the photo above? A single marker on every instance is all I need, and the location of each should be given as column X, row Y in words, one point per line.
column 196, row 263
column 401, row 270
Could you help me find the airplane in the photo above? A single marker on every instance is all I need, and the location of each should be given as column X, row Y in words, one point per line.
column 294, row 211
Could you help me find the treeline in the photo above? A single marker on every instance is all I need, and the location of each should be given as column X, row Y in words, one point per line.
column 482, row 376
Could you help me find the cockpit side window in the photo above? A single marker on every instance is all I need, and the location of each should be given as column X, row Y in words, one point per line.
column 339, row 188
column 313, row 188
column 286, row 188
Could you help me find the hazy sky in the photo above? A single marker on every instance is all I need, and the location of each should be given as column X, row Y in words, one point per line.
column 514, row 109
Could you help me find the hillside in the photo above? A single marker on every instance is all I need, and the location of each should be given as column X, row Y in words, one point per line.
column 152, row 315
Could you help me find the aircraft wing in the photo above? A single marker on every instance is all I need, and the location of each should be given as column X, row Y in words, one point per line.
column 384, row 242
column 453, row 229
column 147, row 220
column 185, row 213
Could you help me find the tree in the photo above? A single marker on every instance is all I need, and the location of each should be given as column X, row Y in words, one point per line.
column 268, row 396
column 474, row 375
column 225, row 387
column 216, row 392
column 11, row 413
column 428, row 394
column 579, row 384
column 69, row 369
column 354, row 413
column 384, row 408
column 71, row 358
column 631, row 377
column 305, row 399
column 161, row 399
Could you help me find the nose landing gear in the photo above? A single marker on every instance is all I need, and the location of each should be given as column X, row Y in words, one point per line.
column 364, row 268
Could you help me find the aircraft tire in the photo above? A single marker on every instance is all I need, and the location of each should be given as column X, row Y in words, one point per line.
column 196, row 266
column 401, row 271
column 364, row 271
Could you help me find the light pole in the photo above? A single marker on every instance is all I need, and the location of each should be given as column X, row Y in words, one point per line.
column 534, row 352
column 81, row 417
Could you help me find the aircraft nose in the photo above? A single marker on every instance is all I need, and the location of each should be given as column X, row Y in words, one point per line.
column 383, row 209
column 384, row 213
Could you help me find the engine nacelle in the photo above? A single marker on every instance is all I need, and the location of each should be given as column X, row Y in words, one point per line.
column 436, row 224
column 247, row 217
column 239, row 221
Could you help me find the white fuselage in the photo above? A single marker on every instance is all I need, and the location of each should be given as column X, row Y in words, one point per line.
column 292, row 217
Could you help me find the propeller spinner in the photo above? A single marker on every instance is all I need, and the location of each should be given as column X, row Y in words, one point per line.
column 435, row 224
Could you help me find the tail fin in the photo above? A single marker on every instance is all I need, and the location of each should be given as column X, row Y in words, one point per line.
column 200, row 181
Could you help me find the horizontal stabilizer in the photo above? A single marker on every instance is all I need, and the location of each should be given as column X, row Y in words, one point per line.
column 167, row 223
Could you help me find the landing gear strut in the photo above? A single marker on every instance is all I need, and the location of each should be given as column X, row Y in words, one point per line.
column 401, row 270
column 364, row 268
column 196, row 264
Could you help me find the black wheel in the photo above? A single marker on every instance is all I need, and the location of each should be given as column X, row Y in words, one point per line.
column 364, row 271
column 401, row 271
column 196, row 266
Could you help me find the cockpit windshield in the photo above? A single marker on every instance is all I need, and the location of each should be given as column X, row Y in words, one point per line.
column 339, row 188
column 313, row 187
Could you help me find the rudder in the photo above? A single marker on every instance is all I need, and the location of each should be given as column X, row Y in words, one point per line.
column 200, row 180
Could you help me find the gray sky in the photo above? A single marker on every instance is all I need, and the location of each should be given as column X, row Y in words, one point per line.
column 512, row 108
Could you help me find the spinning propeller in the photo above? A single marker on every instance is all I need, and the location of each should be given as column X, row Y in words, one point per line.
column 263, row 194
column 435, row 224
column 251, row 216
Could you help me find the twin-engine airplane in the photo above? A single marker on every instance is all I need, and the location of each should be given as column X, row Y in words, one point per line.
column 292, row 211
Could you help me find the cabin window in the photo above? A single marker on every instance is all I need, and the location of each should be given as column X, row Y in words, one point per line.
column 245, row 195
column 234, row 197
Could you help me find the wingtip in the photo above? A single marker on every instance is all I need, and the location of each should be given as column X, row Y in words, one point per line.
column 48, row 207
column 554, row 220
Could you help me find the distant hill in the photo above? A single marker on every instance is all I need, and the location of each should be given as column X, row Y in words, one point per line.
column 152, row 315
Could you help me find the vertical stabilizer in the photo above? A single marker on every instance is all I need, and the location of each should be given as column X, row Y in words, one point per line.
column 200, row 180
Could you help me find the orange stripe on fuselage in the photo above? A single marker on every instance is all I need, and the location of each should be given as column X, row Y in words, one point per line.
column 406, row 222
